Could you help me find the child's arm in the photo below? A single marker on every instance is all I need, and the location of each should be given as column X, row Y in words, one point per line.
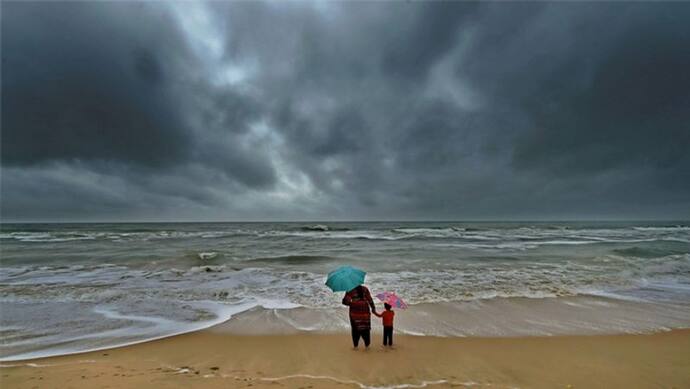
column 378, row 314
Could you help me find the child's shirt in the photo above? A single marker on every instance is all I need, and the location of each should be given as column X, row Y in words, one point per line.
column 387, row 318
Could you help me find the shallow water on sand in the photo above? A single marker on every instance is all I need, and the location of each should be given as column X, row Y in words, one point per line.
column 65, row 288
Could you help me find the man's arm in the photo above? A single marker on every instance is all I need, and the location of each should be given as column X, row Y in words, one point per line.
column 371, row 302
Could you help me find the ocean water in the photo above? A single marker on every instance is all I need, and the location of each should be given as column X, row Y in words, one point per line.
column 66, row 288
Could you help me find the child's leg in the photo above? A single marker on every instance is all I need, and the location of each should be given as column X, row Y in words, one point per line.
column 388, row 336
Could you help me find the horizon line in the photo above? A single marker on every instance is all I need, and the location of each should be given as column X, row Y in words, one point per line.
column 351, row 221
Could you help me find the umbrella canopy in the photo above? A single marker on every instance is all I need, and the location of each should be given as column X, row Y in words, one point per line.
column 345, row 278
column 391, row 299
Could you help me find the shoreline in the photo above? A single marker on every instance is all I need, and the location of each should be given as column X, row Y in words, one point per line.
column 211, row 358
column 516, row 317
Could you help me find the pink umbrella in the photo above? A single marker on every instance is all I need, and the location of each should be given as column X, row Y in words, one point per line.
column 391, row 299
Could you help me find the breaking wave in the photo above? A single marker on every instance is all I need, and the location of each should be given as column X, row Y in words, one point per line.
column 77, row 287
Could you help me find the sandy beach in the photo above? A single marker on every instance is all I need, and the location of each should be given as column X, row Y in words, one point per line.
column 215, row 359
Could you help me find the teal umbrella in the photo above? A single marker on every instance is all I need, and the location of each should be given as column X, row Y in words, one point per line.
column 345, row 278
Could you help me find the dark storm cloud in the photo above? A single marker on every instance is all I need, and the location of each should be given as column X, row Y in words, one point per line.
column 414, row 48
column 614, row 94
column 346, row 110
column 114, row 82
column 89, row 81
column 221, row 138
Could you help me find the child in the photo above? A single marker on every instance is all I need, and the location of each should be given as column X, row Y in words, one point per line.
column 387, row 316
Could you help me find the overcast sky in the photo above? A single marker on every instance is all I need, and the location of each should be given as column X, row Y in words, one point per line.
column 340, row 111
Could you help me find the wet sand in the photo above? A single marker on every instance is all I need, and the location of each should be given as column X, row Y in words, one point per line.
column 215, row 359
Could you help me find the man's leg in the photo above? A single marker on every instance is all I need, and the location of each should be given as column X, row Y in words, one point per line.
column 355, row 337
column 366, row 336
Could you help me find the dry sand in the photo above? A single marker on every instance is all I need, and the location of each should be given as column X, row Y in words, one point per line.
column 212, row 359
